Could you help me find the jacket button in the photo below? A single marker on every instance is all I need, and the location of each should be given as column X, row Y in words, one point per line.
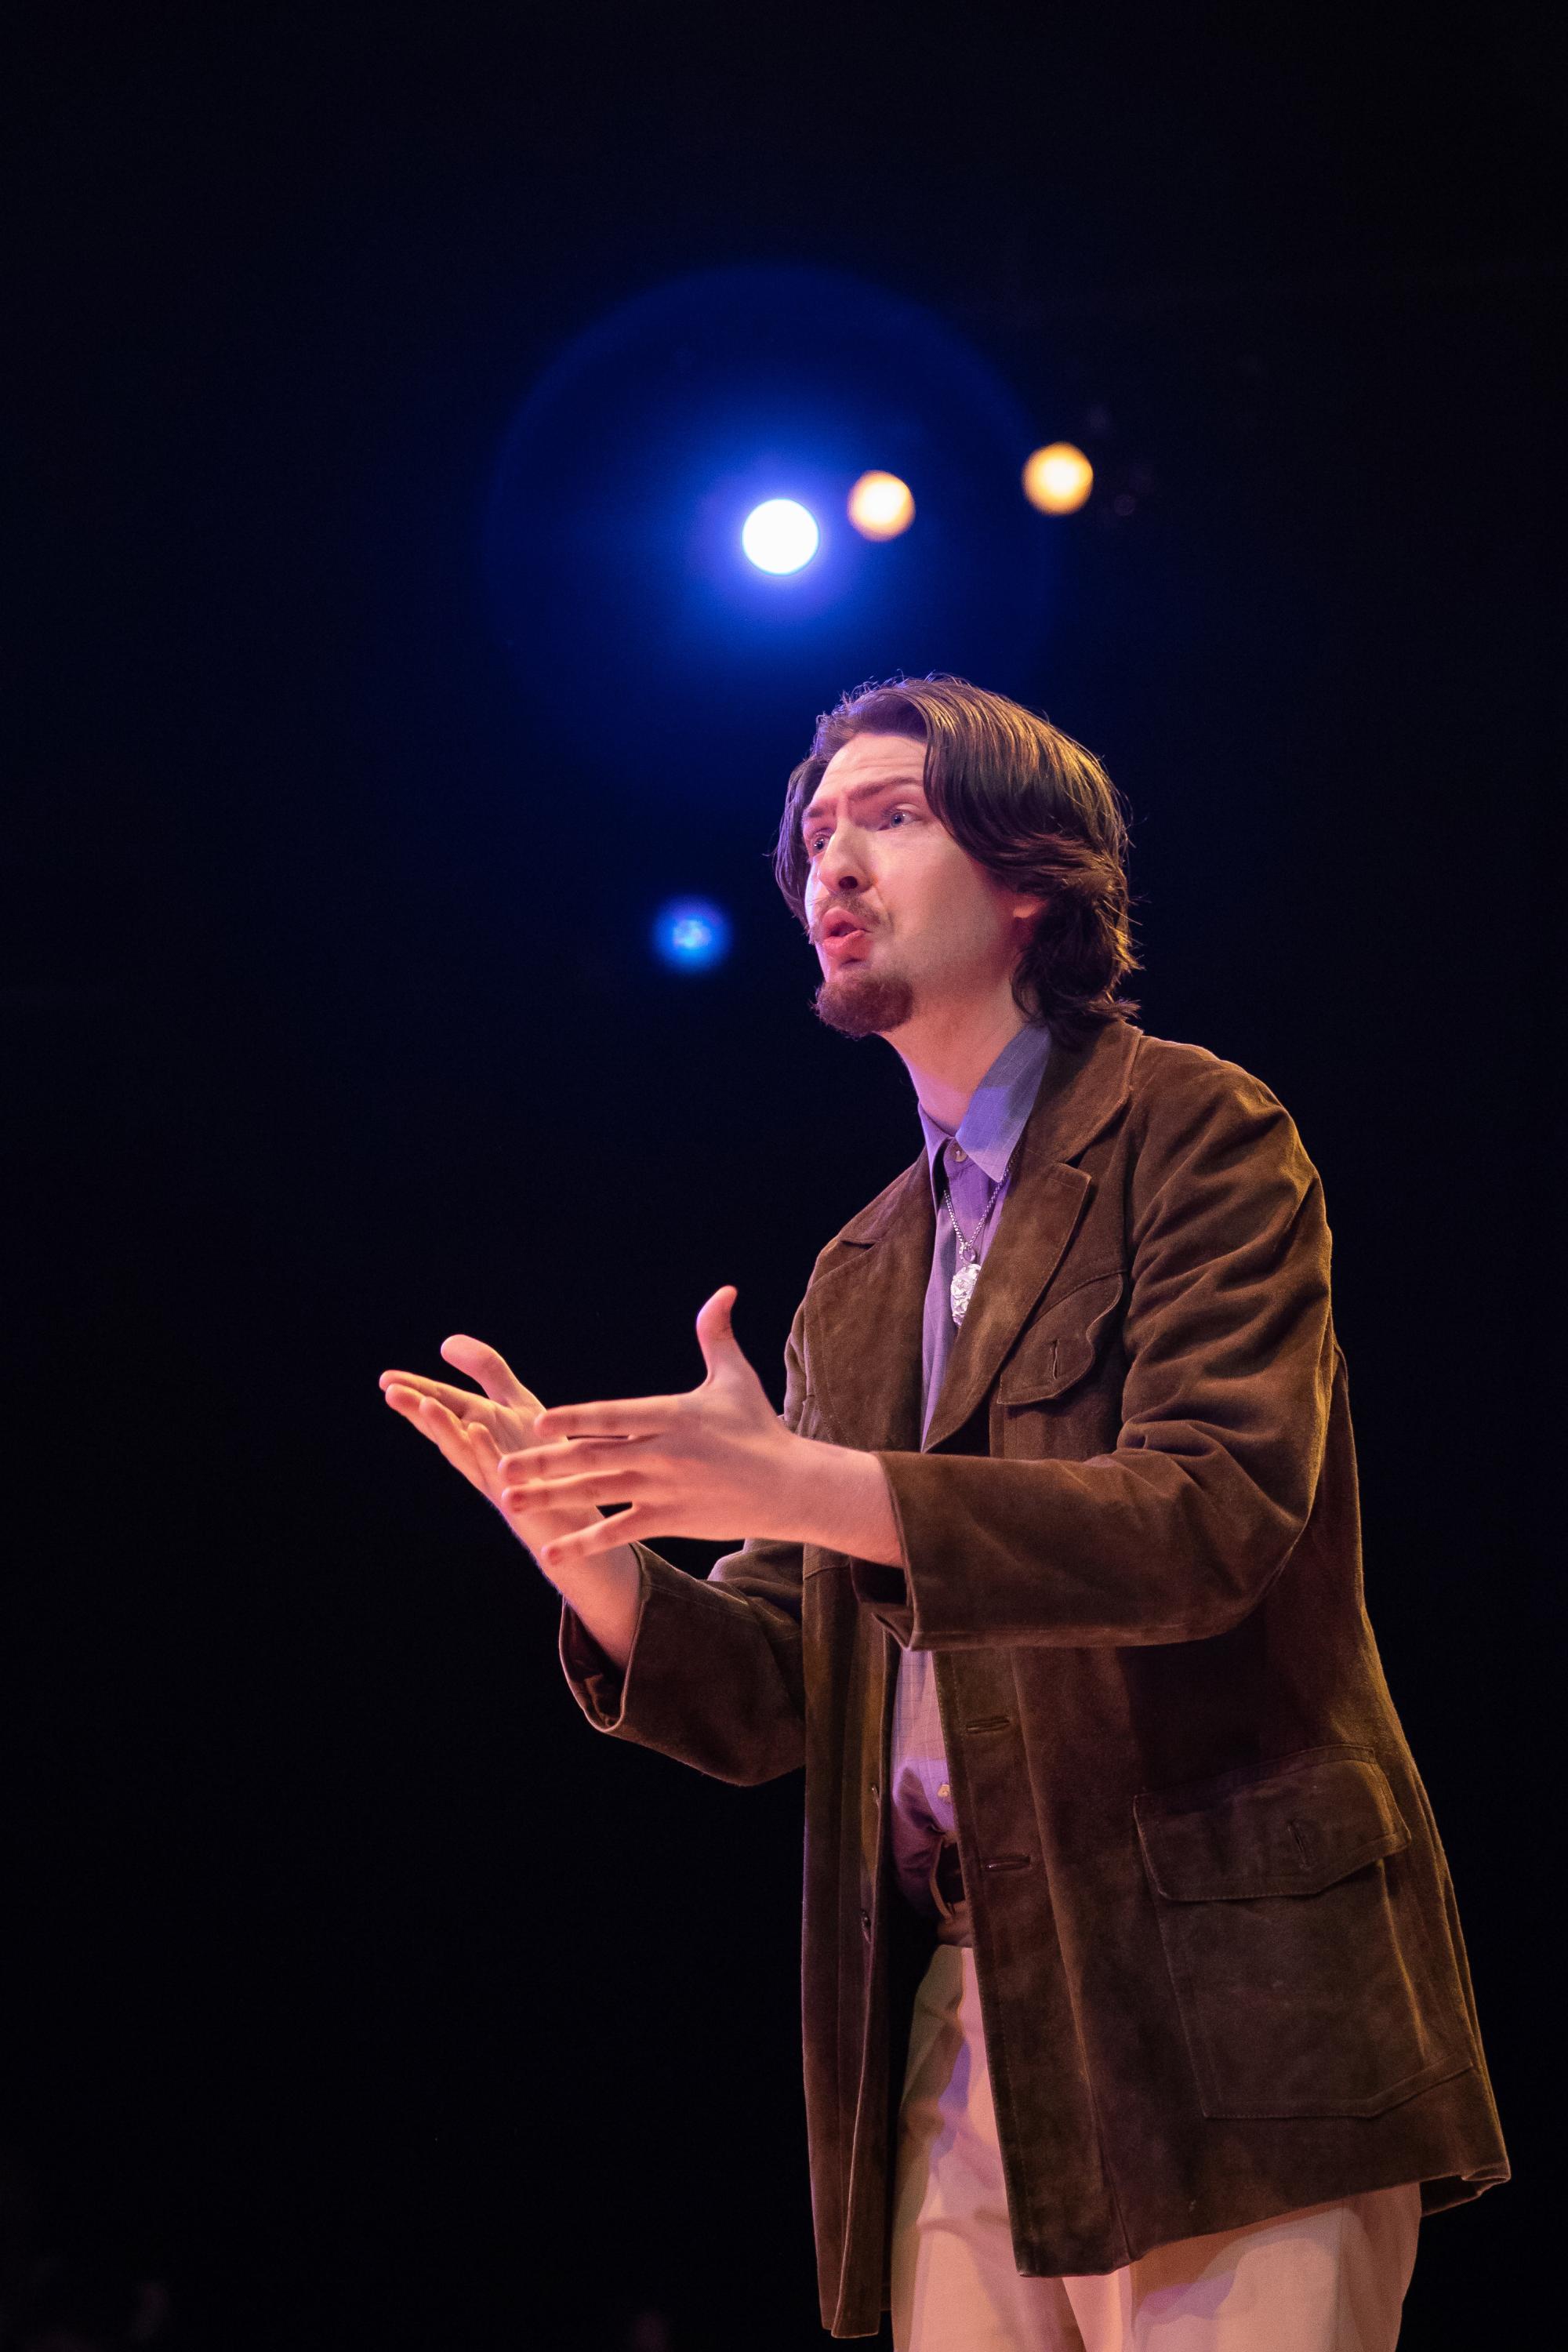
column 866, row 1925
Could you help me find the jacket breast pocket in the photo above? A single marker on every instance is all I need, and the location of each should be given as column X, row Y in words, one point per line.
column 1299, row 1983
column 1034, row 1394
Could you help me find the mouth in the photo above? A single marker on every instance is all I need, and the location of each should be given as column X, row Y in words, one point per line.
column 840, row 927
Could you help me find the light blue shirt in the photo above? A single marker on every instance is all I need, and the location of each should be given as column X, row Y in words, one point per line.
column 975, row 1160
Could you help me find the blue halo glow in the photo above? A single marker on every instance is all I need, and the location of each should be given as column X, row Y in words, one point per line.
column 615, row 513
column 780, row 535
column 692, row 935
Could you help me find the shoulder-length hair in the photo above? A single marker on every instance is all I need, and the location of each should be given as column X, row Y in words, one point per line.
column 1032, row 806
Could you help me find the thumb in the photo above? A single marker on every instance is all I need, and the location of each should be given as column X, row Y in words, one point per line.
column 715, row 1334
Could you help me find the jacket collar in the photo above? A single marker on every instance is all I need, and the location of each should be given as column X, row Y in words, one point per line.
column 865, row 1305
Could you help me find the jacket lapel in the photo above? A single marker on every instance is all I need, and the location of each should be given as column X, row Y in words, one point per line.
column 863, row 1319
column 864, row 1310
column 1082, row 1089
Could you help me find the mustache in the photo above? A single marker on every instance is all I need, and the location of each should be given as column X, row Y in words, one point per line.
column 815, row 930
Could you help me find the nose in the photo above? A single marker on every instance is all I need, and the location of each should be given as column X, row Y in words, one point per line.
column 841, row 869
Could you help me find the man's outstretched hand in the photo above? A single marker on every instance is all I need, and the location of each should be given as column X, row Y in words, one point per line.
column 475, row 1431
column 713, row 1462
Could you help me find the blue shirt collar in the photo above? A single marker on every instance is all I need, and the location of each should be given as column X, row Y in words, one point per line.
column 998, row 1109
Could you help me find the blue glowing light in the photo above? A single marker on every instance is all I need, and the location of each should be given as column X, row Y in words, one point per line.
column 615, row 515
column 780, row 535
column 692, row 935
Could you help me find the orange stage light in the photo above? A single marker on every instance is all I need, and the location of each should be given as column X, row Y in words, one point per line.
column 1057, row 478
column 880, row 506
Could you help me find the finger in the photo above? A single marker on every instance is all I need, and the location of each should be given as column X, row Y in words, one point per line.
column 411, row 1403
column 484, row 1450
column 607, row 1487
column 567, row 1458
column 459, row 1401
column 446, row 1434
column 405, row 1401
column 467, row 1445
column 489, row 1368
column 601, row 1535
column 485, row 1456
column 715, row 1334
column 632, row 1417
column 441, row 1425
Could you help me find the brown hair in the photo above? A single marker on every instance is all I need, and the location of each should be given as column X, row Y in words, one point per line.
column 1030, row 804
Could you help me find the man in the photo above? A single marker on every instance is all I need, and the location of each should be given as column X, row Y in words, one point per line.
column 1136, row 2007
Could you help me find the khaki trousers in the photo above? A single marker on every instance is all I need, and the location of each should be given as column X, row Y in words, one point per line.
column 1331, row 2278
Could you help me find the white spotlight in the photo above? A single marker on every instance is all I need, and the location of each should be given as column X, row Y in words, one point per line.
column 779, row 536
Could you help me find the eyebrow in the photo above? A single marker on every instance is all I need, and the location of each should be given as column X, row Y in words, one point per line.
column 819, row 809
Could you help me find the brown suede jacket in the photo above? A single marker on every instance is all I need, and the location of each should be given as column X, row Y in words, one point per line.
column 1220, row 1965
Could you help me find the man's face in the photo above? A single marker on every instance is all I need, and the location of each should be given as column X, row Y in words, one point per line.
column 902, row 919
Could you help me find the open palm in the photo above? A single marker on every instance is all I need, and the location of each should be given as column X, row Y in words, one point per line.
column 473, row 1431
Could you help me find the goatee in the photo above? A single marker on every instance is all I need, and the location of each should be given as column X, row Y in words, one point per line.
column 865, row 1003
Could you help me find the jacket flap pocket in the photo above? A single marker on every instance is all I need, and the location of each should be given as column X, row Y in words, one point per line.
column 1292, row 1827
column 1061, row 1343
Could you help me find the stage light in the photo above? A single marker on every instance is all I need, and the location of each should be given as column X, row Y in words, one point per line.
column 616, row 511
column 880, row 506
column 1057, row 478
column 690, row 935
column 779, row 536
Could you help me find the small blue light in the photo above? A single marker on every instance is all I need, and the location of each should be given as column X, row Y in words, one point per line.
column 692, row 935
column 780, row 535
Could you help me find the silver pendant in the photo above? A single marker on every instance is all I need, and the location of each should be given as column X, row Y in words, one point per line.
column 960, row 1290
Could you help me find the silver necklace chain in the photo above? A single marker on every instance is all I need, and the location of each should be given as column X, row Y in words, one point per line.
column 961, row 1289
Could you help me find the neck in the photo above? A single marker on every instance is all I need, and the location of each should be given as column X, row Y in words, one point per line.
column 948, row 1049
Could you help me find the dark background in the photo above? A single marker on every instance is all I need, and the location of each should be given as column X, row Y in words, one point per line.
column 353, row 1991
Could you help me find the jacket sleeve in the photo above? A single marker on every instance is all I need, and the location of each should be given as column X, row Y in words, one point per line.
column 714, row 1674
column 1229, row 1362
